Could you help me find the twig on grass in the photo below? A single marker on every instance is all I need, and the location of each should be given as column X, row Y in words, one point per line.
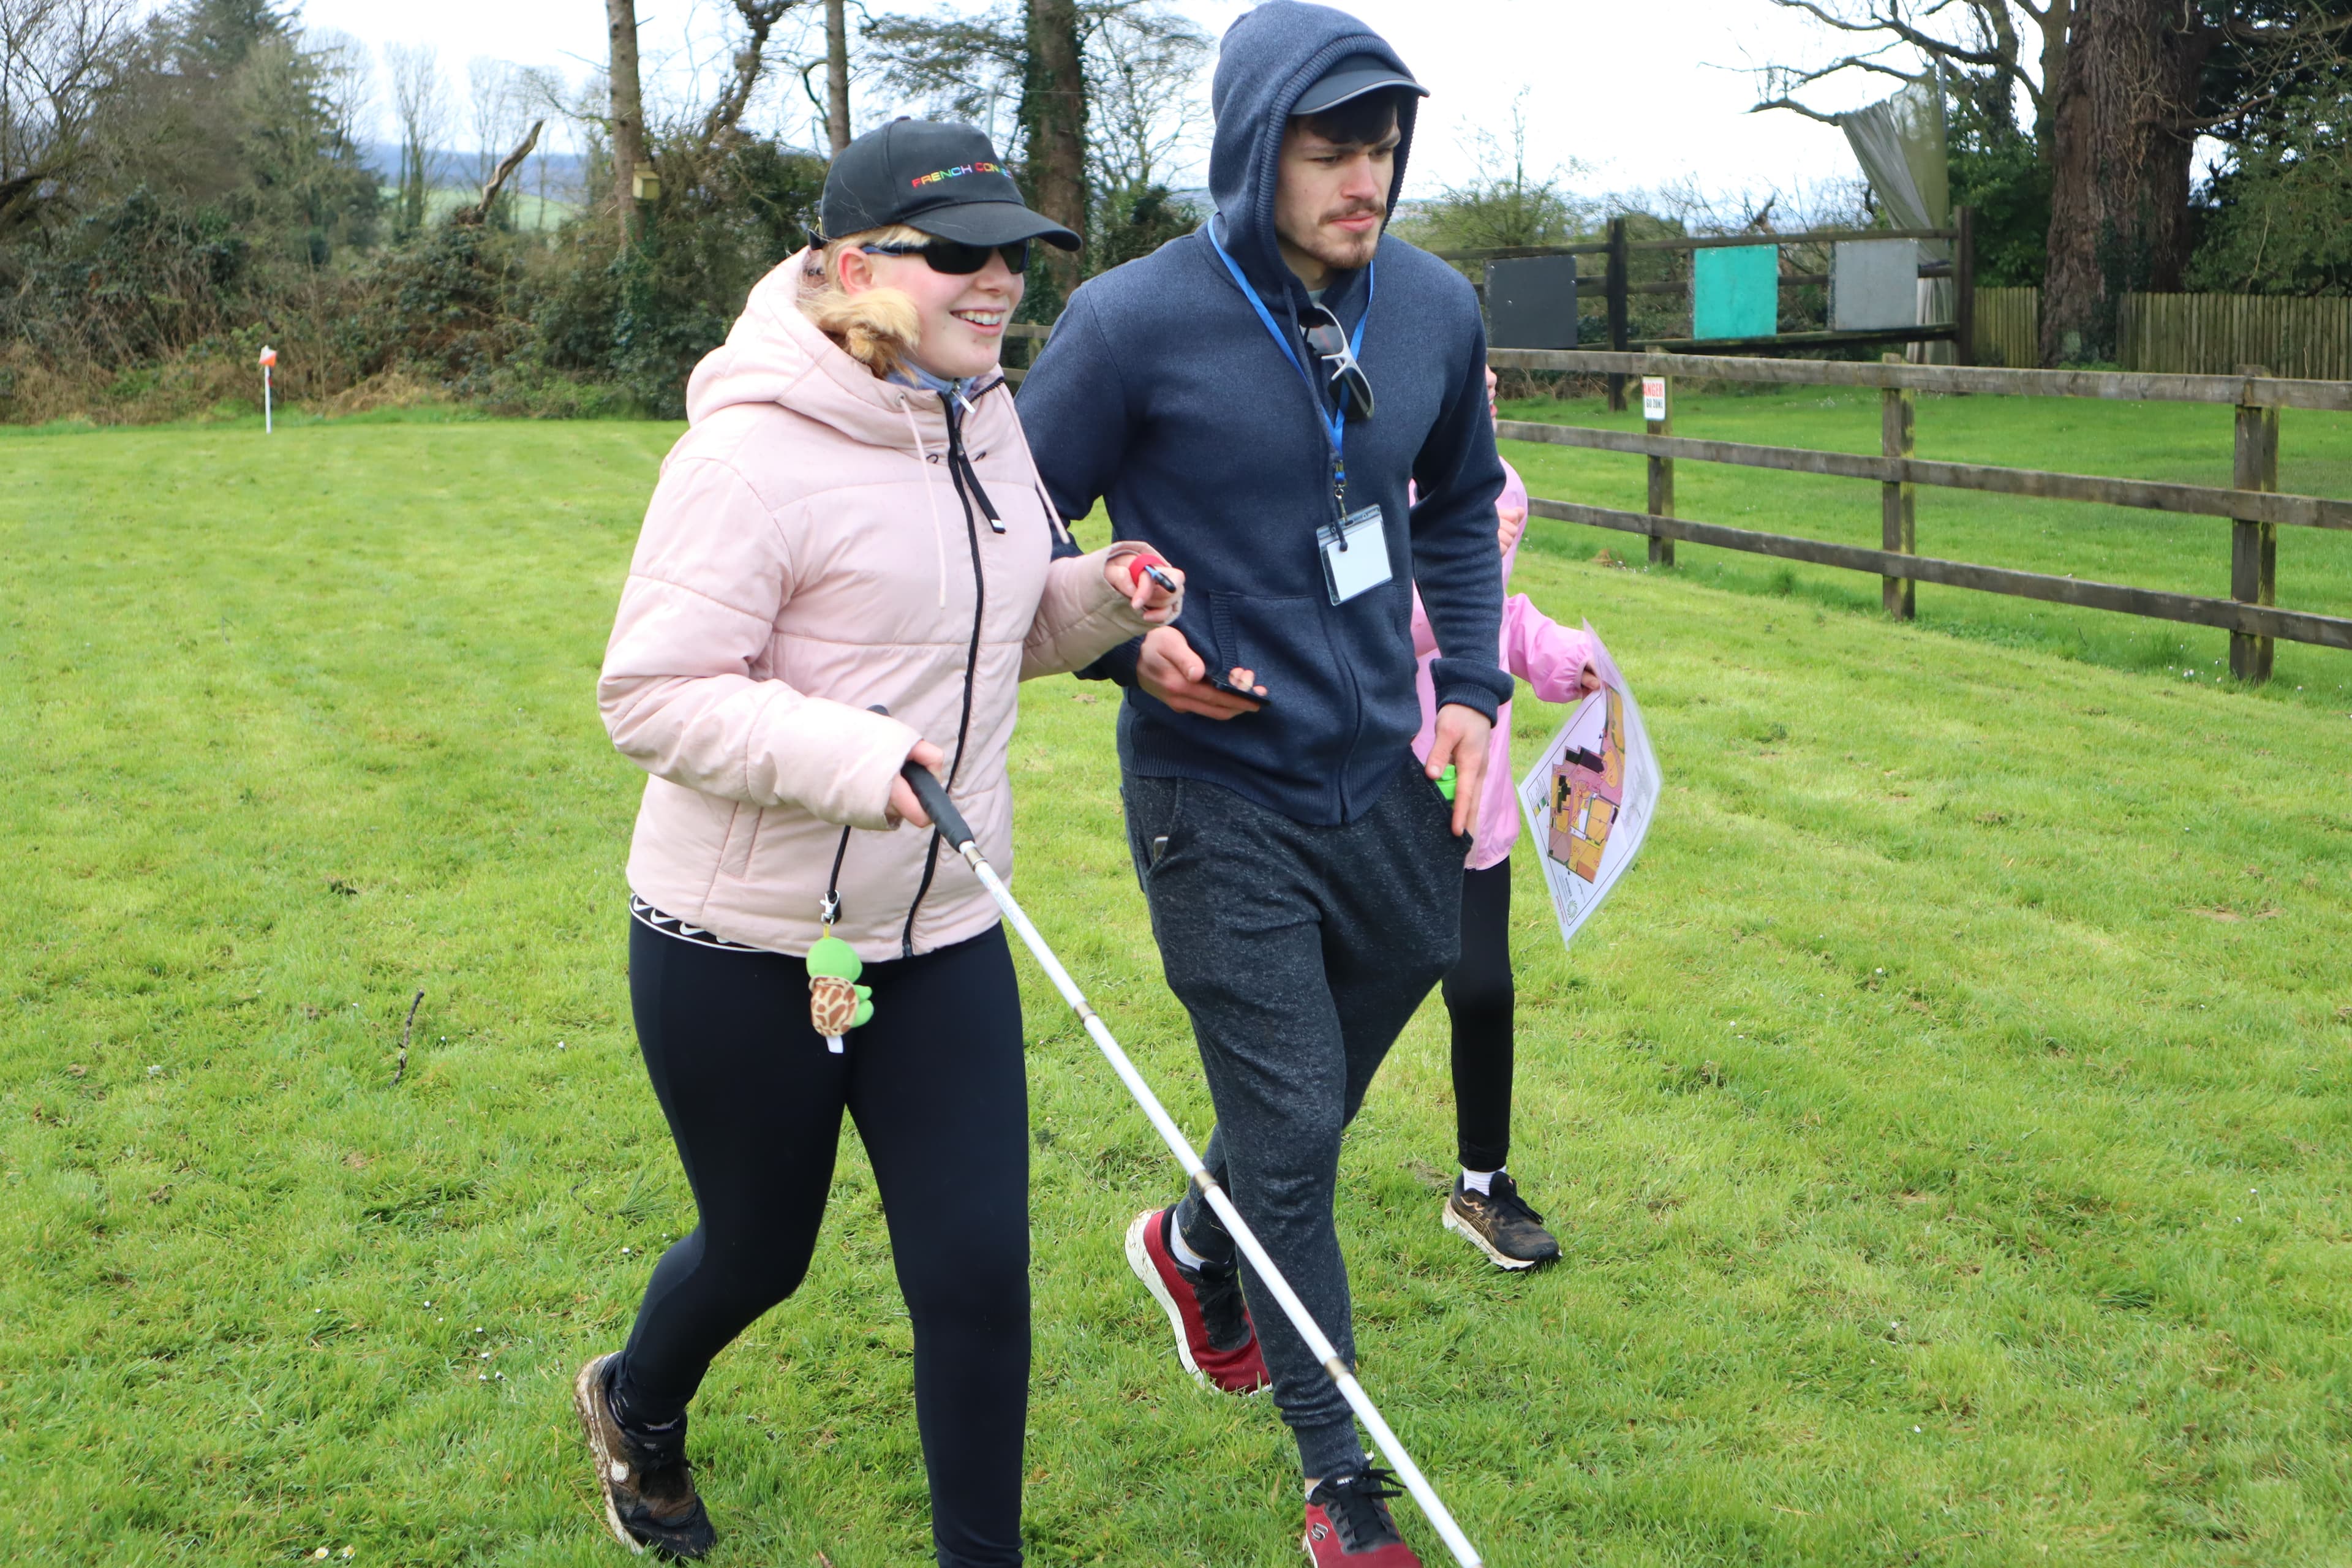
column 402, row 1066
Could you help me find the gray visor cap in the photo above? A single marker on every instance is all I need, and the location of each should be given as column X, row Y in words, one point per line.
column 1352, row 78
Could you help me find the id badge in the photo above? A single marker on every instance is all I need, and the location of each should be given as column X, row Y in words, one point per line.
column 1355, row 554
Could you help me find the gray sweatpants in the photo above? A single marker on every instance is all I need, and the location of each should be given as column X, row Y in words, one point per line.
column 1300, row 952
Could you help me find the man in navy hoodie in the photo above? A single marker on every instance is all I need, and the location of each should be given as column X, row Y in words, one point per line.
column 1255, row 398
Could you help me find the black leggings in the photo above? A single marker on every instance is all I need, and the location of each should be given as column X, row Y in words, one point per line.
column 1478, row 998
column 754, row 1099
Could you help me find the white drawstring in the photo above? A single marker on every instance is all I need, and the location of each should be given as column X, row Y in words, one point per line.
column 938, row 529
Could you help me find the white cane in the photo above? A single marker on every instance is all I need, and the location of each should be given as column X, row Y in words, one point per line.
column 943, row 813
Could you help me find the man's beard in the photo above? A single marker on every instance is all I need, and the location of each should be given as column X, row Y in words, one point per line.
column 1341, row 251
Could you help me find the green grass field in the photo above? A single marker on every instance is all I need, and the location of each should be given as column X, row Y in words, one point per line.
column 1947, row 1124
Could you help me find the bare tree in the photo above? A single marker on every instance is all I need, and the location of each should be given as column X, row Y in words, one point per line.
column 720, row 121
column 60, row 60
column 544, row 96
column 836, row 75
column 972, row 69
column 1054, row 105
column 2008, row 46
column 495, row 109
column 480, row 212
column 1143, row 62
column 1140, row 60
column 420, row 105
column 627, row 126
column 346, row 79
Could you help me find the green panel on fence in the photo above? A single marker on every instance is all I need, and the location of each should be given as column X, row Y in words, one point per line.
column 1736, row 291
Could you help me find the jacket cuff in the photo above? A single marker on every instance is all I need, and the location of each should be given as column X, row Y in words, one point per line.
column 843, row 761
column 1117, row 666
column 1469, row 694
column 1113, row 603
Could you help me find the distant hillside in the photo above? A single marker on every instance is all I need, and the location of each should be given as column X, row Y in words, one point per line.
column 455, row 170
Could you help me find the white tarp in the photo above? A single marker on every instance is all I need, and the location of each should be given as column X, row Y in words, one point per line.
column 1589, row 798
column 1900, row 143
column 1873, row 283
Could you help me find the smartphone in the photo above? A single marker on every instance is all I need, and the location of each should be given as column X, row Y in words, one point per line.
column 1223, row 684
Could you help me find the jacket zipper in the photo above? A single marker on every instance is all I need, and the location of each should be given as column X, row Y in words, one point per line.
column 958, row 466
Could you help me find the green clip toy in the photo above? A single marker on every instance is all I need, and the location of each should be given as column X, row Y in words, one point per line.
column 836, row 1003
column 1446, row 782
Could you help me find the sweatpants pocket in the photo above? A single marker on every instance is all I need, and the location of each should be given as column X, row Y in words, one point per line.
column 1152, row 807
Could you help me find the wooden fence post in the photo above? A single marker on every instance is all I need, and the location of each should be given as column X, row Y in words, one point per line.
column 1662, row 469
column 2254, row 546
column 1964, row 287
column 1615, row 290
column 1897, row 521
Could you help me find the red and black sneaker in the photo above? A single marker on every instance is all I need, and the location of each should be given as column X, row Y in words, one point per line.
column 1348, row 1524
column 1214, row 1338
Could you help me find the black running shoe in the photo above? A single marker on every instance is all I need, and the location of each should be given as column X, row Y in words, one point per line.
column 1348, row 1524
column 648, row 1491
column 1500, row 1224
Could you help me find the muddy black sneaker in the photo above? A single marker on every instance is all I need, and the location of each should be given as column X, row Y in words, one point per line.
column 648, row 1491
column 1500, row 1224
column 1348, row 1524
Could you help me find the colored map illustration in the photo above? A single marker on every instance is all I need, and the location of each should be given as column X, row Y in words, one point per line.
column 1587, row 785
column 1589, row 798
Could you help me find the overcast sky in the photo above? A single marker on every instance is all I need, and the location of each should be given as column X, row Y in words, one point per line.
column 1640, row 94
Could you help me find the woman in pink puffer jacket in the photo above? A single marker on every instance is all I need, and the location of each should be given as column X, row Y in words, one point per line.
column 848, row 564
column 1485, row 1206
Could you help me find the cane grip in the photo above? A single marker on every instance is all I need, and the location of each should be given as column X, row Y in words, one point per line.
column 933, row 798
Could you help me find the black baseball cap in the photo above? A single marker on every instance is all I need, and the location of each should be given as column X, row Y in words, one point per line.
column 942, row 178
column 1352, row 78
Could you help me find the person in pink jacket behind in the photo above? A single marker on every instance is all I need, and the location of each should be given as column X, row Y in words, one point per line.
column 848, row 564
column 1485, row 1206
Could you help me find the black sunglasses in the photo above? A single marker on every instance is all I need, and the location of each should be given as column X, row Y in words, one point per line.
column 1329, row 341
column 956, row 258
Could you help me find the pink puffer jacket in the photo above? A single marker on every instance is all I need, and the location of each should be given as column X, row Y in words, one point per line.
column 804, row 557
column 1536, row 649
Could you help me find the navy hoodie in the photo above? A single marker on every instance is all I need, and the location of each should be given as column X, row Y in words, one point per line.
column 1163, row 394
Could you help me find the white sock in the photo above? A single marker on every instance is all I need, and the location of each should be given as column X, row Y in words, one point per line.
column 1184, row 1254
column 1480, row 1182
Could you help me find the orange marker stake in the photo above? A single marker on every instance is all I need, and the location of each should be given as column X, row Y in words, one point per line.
column 268, row 358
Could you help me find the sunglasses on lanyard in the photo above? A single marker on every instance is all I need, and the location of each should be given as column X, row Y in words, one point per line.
column 956, row 258
column 1348, row 382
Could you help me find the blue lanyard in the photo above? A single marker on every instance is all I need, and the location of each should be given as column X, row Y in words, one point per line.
column 1335, row 424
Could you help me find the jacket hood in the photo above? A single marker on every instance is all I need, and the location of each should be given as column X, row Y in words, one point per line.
column 1269, row 58
column 774, row 353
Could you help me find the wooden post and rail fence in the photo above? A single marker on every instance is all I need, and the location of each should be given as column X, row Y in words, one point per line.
column 2253, row 503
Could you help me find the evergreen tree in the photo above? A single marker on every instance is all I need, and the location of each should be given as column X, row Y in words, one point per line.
column 213, row 37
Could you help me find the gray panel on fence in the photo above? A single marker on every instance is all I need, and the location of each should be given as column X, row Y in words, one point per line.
column 1532, row 303
column 1874, row 284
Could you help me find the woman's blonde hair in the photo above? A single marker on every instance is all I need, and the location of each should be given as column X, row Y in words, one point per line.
column 879, row 328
